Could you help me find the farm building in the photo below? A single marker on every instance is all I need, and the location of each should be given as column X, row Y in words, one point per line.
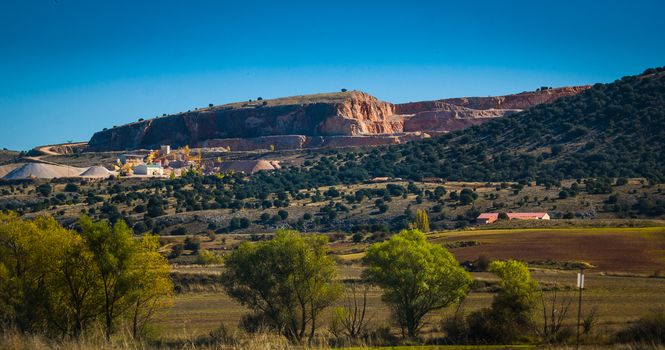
column 528, row 216
column 149, row 169
column 487, row 218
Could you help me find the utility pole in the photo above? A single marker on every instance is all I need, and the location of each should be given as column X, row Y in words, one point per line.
column 580, row 286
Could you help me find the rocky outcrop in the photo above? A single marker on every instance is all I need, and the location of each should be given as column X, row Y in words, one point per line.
column 450, row 118
column 522, row 100
column 347, row 113
column 310, row 121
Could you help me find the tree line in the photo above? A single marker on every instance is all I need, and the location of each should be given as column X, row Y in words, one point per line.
column 61, row 282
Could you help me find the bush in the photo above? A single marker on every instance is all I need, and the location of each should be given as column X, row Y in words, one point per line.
column 483, row 263
column 44, row 189
column 71, row 187
column 192, row 243
column 510, row 317
column 357, row 238
column 206, row 257
column 179, row 231
column 176, row 251
column 650, row 329
column 223, row 335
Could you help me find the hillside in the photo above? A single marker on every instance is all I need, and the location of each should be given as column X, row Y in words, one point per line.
column 331, row 120
column 609, row 130
column 585, row 153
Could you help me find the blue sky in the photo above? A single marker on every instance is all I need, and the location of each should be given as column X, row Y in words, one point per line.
column 69, row 68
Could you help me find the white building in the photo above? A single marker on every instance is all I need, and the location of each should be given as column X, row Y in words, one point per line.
column 149, row 169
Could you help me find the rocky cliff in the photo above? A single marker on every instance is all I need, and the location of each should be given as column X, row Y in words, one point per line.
column 322, row 120
column 346, row 113
column 522, row 100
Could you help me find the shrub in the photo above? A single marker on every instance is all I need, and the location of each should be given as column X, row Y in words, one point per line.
column 176, row 250
column 510, row 317
column 192, row 243
column 223, row 335
column 179, row 231
column 44, row 189
column 649, row 329
column 71, row 187
column 206, row 257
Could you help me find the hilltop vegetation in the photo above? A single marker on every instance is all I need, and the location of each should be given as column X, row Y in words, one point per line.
column 610, row 130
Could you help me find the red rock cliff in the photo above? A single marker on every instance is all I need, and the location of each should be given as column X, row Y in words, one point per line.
column 346, row 113
column 352, row 113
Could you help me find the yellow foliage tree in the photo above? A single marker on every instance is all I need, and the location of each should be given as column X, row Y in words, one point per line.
column 57, row 281
column 422, row 221
column 154, row 289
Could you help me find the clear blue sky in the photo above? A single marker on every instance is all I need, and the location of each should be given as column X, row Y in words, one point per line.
column 69, row 68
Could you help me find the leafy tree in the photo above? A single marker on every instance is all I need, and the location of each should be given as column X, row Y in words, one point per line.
column 58, row 282
column 44, row 189
column 422, row 221
column 417, row 277
column 511, row 314
column 75, row 289
column 71, row 187
column 27, row 257
column 153, row 287
column 286, row 281
column 112, row 248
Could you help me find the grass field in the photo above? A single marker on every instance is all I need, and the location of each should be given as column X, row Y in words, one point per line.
column 623, row 286
column 198, row 313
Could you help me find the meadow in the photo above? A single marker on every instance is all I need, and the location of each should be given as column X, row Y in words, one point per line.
column 626, row 266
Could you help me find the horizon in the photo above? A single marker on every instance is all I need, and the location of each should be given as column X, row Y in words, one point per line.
column 71, row 68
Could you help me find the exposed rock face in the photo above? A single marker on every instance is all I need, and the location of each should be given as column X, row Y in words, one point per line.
column 324, row 120
column 451, row 118
column 460, row 113
column 348, row 113
column 517, row 101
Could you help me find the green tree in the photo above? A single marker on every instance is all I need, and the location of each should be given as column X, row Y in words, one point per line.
column 417, row 277
column 75, row 291
column 153, row 286
column 27, row 254
column 112, row 248
column 286, row 281
column 58, row 282
column 511, row 314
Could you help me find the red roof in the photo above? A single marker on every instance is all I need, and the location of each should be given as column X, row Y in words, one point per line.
column 488, row 216
column 525, row 215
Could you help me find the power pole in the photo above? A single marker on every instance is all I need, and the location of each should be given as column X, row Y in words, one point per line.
column 580, row 286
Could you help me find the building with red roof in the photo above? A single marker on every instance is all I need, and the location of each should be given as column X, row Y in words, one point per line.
column 488, row 218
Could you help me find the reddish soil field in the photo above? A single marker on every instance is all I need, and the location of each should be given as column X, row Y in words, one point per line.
column 631, row 250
